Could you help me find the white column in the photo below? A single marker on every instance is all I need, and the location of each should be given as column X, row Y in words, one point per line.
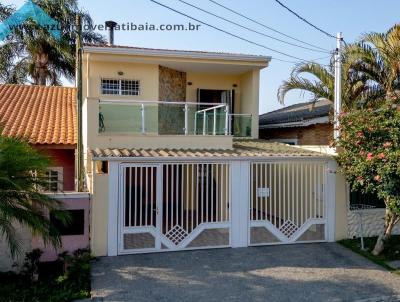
column 240, row 200
column 112, row 237
column 330, row 198
column 338, row 84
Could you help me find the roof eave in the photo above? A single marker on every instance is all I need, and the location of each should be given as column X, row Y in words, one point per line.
column 262, row 60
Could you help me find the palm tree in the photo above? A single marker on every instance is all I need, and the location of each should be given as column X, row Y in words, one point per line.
column 377, row 58
column 321, row 84
column 22, row 174
column 32, row 54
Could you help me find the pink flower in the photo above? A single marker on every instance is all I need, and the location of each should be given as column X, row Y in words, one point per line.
column 381, row 155
column 360, row 134
column 387, row 145
column 370, row 156
column 377, row 178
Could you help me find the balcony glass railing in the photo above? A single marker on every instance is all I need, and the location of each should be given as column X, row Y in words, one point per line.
column 240, row 125
column 171, row 118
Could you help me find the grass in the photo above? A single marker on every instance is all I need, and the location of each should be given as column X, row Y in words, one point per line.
column 52, row 286
column 391, row 252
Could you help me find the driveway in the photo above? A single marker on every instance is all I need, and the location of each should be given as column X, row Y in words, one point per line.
column 306, row 272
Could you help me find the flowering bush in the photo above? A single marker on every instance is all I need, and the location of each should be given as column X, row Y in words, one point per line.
column 369, row 156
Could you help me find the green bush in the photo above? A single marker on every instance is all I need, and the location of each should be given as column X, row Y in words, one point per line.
column 73, row 283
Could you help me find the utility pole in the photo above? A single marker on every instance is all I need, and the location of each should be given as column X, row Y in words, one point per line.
column 338, row 84
column 78, row 83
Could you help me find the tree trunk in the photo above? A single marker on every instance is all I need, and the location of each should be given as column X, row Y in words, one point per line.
column 41, row 71
column 390, row 220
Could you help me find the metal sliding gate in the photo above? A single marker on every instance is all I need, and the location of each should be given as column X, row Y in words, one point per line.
column 287, row 202
column 173, row 206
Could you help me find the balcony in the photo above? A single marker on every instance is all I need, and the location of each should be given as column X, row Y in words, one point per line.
column 171, row 118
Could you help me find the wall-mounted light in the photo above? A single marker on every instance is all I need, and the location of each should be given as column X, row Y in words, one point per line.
column 189, row 83
column 120, row 73
column 234, row 85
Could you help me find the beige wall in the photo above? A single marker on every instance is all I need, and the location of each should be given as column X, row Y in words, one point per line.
column 341, row 207
column 99, row 215
column 147, row 74
column 250, row 83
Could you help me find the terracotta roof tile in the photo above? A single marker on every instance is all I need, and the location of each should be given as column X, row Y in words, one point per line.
column 241, row 148
column 41, row 114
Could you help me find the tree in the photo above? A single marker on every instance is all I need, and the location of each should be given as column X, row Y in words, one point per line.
column 377, row 58
column 31, row 53
column 321, row 83
column 22, row 174
column 369, row 157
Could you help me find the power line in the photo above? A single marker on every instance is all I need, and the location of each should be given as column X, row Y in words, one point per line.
column 266, row 26
column 250, row 29
column 304, row 20
column 231, row 34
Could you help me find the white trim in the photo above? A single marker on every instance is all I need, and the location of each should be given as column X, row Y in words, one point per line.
column 261, row 60
column 67, row 195
column 113, row 207
column 304, row 123
column 240, row 200
column 330, row 200
column 213, row 159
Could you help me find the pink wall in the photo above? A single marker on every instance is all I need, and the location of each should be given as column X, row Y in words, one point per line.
column 72, row 201
column 62, row 158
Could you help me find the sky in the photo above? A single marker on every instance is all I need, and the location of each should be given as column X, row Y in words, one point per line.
column 352, row 17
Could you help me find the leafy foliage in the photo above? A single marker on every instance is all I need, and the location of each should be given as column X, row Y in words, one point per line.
column 22, row 174
column 370, row 152
column 370, row 73
column 30, row 53
column 376, row 57
column 319, row 81
column 72, row 284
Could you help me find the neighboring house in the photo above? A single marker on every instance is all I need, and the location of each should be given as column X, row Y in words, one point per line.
column 309, row 126
column 46, row 118
column 299, row 124
column 174, row 162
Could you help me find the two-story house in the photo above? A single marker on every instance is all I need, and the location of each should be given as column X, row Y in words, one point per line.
column 173, row 159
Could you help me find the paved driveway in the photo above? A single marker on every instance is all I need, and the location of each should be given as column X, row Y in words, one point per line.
column 308, row 272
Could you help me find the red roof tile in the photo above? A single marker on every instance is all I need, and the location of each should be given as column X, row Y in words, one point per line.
column 41, row 114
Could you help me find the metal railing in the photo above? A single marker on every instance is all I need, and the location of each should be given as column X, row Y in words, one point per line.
column 172, row 118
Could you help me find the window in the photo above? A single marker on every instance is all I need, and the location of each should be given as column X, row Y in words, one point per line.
column 120, row 87
column 54, row 177
column 102, row 167
column 359, row 199
column 75, row 227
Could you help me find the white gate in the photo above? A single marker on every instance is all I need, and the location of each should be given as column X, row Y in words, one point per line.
column 287, row 202
column 174, row 206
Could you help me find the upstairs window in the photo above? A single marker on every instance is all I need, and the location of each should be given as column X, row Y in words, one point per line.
column 120, row 87
column 54, row 177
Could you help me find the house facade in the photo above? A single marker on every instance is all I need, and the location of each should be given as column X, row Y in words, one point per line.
column 46, row 118
column 308, row 125
column 173, row 159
